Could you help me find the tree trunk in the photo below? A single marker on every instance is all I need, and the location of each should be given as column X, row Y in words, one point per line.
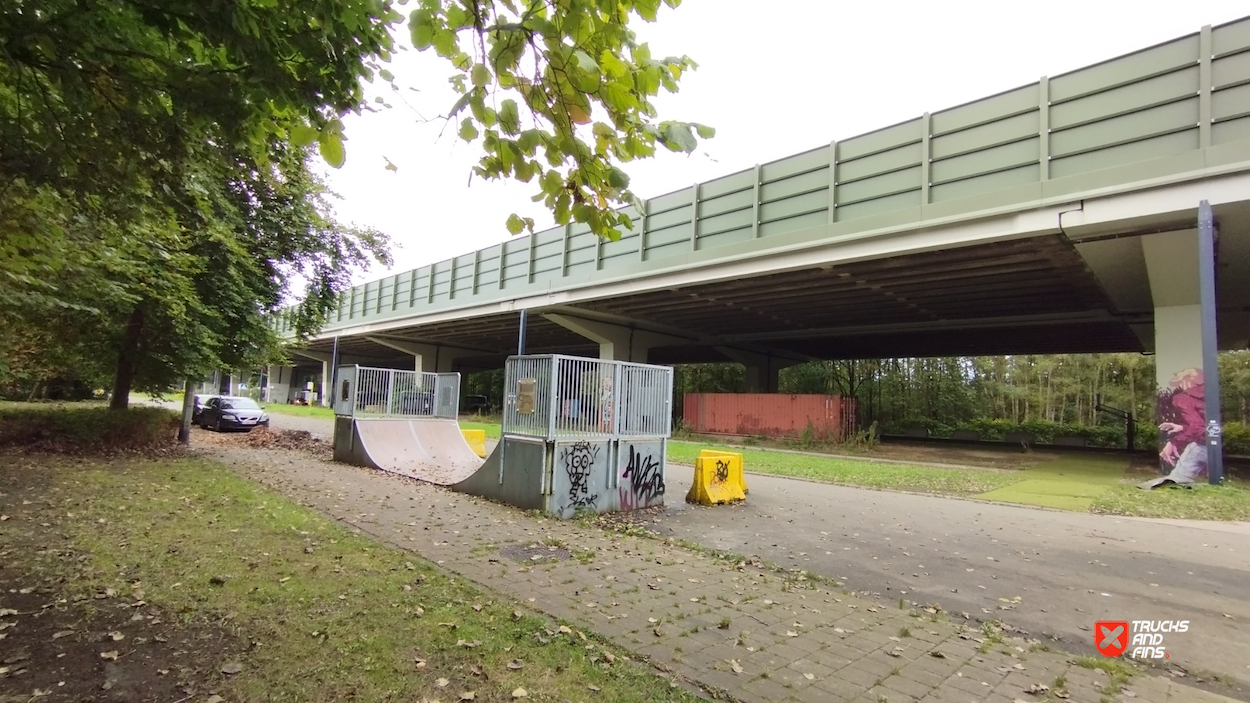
column 188, row 409
column 127, row 360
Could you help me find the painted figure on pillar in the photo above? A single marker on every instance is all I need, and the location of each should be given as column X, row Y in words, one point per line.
column 1182, row 427
column 605, row 405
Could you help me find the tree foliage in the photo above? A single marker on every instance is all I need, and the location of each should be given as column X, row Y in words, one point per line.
column 156, row 200
column 154, row 203
column 558, row 92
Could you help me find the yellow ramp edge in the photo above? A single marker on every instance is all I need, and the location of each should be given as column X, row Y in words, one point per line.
column 476, row 440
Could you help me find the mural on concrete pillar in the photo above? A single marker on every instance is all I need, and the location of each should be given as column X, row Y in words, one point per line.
column 1181, row 413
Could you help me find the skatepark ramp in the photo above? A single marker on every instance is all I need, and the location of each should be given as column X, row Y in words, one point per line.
column 578, row 434
column 403, row 422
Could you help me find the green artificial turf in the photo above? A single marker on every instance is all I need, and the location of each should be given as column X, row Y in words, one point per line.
column 1068, row 484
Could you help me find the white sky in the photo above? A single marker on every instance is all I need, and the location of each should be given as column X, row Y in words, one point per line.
column 775, row 77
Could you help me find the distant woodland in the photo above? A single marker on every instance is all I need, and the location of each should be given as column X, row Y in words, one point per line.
column 1045, row 394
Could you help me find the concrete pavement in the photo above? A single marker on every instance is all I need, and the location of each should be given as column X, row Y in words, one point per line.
column 1049, row 572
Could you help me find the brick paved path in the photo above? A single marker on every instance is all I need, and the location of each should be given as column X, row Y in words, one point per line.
column 741, row 630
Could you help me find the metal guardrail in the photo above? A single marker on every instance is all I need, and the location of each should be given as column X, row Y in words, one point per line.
column 554, row 397
column 375, row 392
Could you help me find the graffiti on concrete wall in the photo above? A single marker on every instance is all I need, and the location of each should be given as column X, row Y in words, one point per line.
column 642, row 481
column 577, row 459
column 1181, row 412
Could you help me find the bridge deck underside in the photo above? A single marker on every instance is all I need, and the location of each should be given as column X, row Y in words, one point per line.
column 1032, row 295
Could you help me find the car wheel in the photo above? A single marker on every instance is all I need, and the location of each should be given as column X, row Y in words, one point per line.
column 217, row 425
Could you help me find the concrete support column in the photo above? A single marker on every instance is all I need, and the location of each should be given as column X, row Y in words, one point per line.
column 616, row 342
column 1172, row 266
column 279, row 380
column 763, row 370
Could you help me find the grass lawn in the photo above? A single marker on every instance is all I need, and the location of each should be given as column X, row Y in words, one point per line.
column 300, row 410
column 1228, row 502
column 960, row 482
column 492, row 428
column 247, row 580
column 1081, row 483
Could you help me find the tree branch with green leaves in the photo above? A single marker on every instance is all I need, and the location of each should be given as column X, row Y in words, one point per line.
column 559, row 93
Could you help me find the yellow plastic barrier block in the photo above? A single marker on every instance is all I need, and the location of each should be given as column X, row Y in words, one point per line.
column 736, row 469
column 476, row 440
column 713, row 484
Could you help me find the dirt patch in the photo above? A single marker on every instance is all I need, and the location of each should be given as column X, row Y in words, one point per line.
column 112, row 649
column 62, row 638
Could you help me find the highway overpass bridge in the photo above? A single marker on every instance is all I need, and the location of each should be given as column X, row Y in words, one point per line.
column 1059, row 216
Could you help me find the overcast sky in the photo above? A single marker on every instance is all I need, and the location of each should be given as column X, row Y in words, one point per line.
column 775, row 77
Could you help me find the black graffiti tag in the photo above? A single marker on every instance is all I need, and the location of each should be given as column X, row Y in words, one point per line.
column 578, row 458
column 646, row 476
column 722, row 471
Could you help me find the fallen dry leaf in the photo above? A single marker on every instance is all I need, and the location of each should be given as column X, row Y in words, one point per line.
column 733, row 664
column 516, row 664
column 442, row 683
column 810, row 677
column 468, row 696
column 520, row 693
column 117, row 636
column 111, row 655
column 565, row 630
column 594, row 688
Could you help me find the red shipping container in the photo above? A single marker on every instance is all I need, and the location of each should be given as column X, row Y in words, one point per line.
column 831, row 417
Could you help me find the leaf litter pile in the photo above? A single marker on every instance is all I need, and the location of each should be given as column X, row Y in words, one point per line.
column 265, row 438
column 175, row 579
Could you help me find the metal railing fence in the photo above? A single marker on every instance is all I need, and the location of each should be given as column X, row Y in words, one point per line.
column 374, row 392
column 555, row 396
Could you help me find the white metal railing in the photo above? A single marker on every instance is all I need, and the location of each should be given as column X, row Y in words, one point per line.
column 555, row 396
column 364, row 391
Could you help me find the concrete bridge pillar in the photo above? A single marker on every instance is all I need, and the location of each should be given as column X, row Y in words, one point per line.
column 279, row 381
column 1172, row 266
column 322, row 389
column 763, row 370
column 616, row 342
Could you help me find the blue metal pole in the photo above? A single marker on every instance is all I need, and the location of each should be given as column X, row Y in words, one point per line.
column 334, row 371
column 1210, row 348
column 520, row 343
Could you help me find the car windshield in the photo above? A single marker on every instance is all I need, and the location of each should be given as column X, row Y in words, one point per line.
column 239, row 404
